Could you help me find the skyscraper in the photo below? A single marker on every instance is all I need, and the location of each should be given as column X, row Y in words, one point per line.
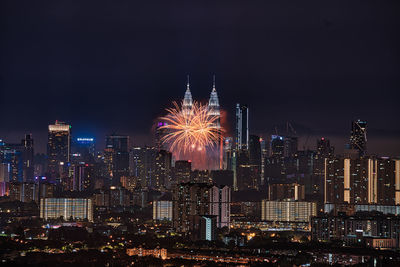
column 27, row 156
column 159, row 134
column 83, row 150
column 116, row 156
column 162, row 173
column 214, row 111
column 187, row 100
column 358, row 137
column 143, row 166
column 242, row 127
column 58, row 148
column 213, row 105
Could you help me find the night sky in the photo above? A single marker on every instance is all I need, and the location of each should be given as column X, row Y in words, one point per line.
column 113, row 66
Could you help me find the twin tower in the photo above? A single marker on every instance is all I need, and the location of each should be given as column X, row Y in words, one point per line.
column 213, row 102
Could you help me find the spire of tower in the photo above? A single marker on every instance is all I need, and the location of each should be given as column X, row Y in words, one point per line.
column 187, row 100
column 214, row 82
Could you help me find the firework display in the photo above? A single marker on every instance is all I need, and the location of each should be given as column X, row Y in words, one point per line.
column 189, row 133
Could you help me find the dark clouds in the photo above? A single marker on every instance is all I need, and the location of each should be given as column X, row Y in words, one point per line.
column 113, row 65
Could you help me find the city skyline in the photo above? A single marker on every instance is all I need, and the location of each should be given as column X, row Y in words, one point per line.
column 200, row 133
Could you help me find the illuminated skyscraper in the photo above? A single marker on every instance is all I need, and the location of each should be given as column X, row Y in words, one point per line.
column 58, row 148
column 187, row 100
column 117, row 156
column 242, row 127
column 358, row 138
column 83, row 150
column 214, row 111
column 213, row 105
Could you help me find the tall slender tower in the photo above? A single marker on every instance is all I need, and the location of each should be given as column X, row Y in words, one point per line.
column 242, row 127
column 213, row 110
column 213, row 105
column 187, row 100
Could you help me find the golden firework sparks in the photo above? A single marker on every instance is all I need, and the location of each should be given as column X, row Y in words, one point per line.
column 190, row 130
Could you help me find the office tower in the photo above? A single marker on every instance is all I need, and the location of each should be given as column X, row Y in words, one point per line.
column 159, row 134
column 255, row 150
column 358, row 137
column 247, row 175
column 163, row 169
column 187, row 100
column 58, row 148
column 19, row 158
column 242, row 127
column 81, row 177
column 116, row 156
column 182, row 171
column 66, row 208
column 293, row 191
column 255, row 154
column 83, row 150
column 220, row 201
column 288, row 211
column 12, row 155
column 28, row 159
column 362, row 181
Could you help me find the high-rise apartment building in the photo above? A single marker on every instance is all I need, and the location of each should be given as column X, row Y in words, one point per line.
column 362, row 181
column 191, row 200
column 75, row 208
column 288, row 211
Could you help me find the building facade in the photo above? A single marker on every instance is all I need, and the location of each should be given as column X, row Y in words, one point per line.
column 75, row 208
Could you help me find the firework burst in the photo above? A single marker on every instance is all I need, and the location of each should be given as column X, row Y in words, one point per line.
column 190, row 131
